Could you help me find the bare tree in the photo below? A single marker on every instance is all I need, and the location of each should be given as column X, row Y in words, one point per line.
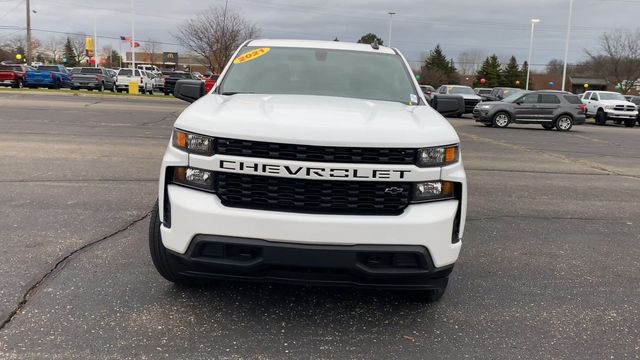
column 151, row 50
column 555, row 66
column 618, row 58
column 54, row 48
column 78, row 44
column 470, row 61
column 214, row 35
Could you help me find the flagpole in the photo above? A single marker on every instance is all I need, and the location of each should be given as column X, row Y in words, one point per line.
column 133, row 38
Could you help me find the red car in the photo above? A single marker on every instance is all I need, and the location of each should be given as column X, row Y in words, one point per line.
column 210, row 82
column 12, row 75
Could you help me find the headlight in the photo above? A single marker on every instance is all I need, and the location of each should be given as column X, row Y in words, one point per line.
column 484, row 107
column 437, row 156
column 609, row 107
column 433, row 190
column 193, row 143
column 192, row 177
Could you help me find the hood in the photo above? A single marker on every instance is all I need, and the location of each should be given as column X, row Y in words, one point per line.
column 317, row 120
column 470, row 97
column 616, row 102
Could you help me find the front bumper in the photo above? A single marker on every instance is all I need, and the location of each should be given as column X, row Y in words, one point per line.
column 621, row 115
column 375, row 266
column 481, row 115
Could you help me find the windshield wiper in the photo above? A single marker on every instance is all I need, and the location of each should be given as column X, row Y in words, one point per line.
column 235, row 92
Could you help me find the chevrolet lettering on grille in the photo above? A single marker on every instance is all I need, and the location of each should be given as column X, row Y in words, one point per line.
column 310, row 172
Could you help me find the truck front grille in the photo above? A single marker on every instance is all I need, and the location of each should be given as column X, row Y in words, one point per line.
column 312, row 196
column 470, row 104
column 329, row 154
column 624, row 108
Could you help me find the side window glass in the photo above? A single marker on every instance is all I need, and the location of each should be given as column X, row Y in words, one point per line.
column 529, row 99
column 594, row 96
column 587, row 95
column 549, row 99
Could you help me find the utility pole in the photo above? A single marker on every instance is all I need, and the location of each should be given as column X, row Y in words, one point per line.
column 28, row 55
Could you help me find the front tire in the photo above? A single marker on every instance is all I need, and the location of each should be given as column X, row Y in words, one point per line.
column 162, row 259
column 564, row 123
column 19, row 84
column 629, row 123
column 101, row 88
column 601, row 117
column 501, row 120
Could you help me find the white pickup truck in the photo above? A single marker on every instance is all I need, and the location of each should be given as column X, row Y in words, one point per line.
column 312, row 162
column 125, row 76
column 608, row 105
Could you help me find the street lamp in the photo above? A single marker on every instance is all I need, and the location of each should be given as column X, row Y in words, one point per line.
column 566, row 47
column 391, row 13
column 533, row 25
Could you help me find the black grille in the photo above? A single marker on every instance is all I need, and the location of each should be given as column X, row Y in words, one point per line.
column 312, row 196
column 624, row 108
column 470, row 104
column 352, row 155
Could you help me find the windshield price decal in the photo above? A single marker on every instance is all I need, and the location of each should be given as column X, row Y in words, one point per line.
column 250, row 55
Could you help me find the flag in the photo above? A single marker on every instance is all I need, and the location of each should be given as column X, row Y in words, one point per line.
column 128, row 39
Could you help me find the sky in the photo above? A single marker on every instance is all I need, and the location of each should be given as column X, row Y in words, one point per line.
column 502, row 27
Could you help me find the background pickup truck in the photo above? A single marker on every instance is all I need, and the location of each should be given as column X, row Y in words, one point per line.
column 12, row 75
column 92, row 78
column 170, row 81
column 125, row 76
column 608, row 105
column 51, row 76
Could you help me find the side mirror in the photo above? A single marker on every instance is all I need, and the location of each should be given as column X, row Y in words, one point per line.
column 448, row 104
column 189, row 90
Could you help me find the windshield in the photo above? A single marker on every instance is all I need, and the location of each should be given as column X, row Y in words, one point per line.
column 461, row 90
column 514, row 96
column 48, row 68
column 612, row 96
column 180, row 75
column 90, row 71
column 328, row 72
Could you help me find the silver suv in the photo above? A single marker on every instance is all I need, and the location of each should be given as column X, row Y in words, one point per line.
column 551, row 109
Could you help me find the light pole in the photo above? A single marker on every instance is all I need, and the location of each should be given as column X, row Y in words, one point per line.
column 533, row 25
column 95, row 36
column 566, row 46
column 391, row 13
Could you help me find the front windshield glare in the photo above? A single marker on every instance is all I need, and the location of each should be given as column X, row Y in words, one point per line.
column 611, row 96
column 306, row 71
column 461, row 90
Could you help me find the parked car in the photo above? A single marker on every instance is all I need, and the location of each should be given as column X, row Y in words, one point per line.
column 92, row 78
column 51, row 76
column 483, row 91
column 210, row 82
column 13, row 75
column 428, row 92
column 628, row 97
column 499, row 93
column 636, row 101
column 550, row 109
column 173, row 77
column 157, row 80
column 609, row 105
column 149, row 68
column 125, row 76
column 467, row 93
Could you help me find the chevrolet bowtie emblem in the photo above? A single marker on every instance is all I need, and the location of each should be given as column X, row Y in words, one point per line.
column 393, row 190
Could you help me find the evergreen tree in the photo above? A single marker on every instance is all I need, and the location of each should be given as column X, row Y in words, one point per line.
column 369, row 39
column 438, row 70
column 525, row 67
column 511, row 74
column 490, row 71
column 69, row 54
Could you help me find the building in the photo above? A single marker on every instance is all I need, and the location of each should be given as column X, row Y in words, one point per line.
column 167, row 60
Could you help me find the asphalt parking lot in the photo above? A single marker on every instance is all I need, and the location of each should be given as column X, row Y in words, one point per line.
column 550, row 266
